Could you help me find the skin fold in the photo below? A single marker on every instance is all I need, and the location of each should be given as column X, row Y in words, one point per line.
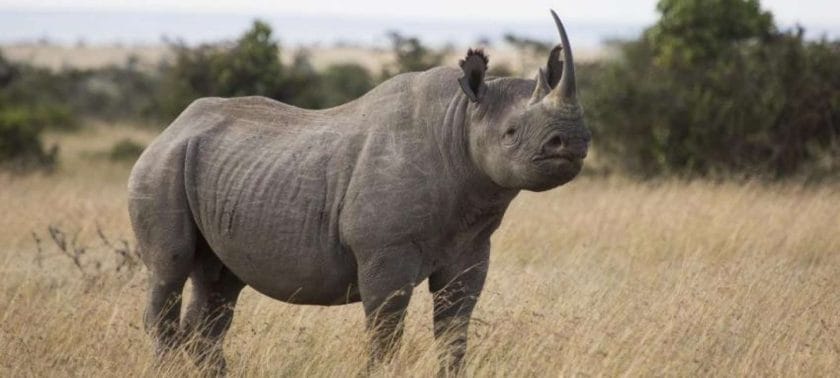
column 360, row 202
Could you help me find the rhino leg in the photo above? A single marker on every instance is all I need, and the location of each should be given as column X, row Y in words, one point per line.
column 210, row 311
column 167, row 250
column 386, row 279
column 166, row 236
column 162, row 312
column 455, row 290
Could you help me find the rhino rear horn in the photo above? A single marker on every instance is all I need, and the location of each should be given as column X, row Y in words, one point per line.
column 542, row 88
column 548, row 77
column 474, row 67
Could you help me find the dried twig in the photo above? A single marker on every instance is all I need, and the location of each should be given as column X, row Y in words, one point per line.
column 127, row 258
column 71, row 250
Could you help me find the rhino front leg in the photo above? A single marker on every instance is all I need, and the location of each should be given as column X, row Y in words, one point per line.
column 386, row 279
column 455, row 290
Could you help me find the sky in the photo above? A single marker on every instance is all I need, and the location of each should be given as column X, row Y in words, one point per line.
column 356, row 21
column 635, row 11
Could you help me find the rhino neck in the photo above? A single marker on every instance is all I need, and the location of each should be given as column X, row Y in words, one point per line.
column 452, row 137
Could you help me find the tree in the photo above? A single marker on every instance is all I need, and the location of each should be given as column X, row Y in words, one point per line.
column 251, row 66
column 695, row 31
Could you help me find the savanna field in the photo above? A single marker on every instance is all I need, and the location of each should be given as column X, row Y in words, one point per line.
column 604, row 276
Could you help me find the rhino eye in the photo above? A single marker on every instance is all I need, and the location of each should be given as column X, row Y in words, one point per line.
column 509, row 137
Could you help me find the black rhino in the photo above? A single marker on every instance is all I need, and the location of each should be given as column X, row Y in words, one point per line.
column 360, row 202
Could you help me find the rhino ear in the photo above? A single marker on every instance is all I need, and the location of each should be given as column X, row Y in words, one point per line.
column 474, row 67
column 554, row 67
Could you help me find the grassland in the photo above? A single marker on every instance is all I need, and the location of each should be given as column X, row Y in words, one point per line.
column 605, row 276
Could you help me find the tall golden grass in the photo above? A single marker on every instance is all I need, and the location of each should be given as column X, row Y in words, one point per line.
column 600, row 277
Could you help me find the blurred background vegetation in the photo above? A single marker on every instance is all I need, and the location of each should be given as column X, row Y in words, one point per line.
column 712, row 89
column 715, row 89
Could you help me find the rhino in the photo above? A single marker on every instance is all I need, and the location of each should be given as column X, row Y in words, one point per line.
column 360, row 202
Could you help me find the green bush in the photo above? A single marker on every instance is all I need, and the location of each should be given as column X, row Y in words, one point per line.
column 35, row 95
column 341, row 83
column 112, row 93
column 301, row 83
column 25, row 111
column 20, row 141
column 125, row 150
column 757, row 103
column 251, row 66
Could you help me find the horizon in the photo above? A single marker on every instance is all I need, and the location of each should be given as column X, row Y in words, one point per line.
column 364, row 22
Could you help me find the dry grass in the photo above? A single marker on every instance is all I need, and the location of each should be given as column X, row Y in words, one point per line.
column 602, row 277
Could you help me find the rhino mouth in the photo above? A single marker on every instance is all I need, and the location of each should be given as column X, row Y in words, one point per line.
column 561, row 166
column 556, row 158
column 552, row 171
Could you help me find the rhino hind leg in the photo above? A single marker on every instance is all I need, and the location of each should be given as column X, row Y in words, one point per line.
column 169, row 258
column 162, row 313
column 166, row 236
column 210, row 311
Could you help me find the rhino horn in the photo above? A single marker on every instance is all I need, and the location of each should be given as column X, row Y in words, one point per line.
column 542, row 88
column 566, row 91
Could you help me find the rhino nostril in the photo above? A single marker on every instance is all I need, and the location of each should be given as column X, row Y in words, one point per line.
column 555, row 142
column 553, row 145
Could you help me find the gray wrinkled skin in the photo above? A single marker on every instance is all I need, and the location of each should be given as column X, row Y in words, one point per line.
column 360, row 202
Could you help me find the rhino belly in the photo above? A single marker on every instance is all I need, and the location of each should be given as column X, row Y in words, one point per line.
column 293, row 275
column 282, row 240
column 288, row 250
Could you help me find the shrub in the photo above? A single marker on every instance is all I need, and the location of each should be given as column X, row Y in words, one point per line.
column 35, row 95
column 759, row 103
column 24, row 114
column 20, row 141
column 251, row 66
column 112, row 93
column 341, row 83
column 125, row 150
column 301, row 83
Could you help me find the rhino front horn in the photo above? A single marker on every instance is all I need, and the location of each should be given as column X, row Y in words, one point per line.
column 566, row 91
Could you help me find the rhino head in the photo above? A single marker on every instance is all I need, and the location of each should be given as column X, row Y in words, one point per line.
column 526, row 134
